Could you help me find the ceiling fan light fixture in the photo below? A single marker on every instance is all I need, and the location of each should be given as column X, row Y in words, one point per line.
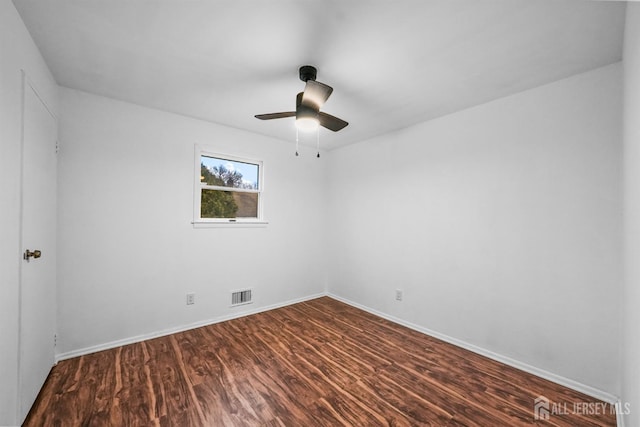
column 307, row 124
column 306, row 119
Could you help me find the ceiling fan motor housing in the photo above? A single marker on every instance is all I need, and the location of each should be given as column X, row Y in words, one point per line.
column 308, row 72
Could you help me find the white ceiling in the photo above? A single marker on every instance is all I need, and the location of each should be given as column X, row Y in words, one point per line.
column 391, row 63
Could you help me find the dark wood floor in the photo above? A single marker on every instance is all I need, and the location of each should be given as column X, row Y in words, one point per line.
column 317, row 363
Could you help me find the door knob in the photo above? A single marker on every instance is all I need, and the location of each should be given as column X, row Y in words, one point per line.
column 28, row 254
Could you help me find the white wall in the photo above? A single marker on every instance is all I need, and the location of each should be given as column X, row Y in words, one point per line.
column 631, row 338
column 128, row 251
column 501, row 223
column 18, row 52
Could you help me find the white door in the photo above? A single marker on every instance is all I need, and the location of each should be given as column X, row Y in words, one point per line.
column 38, row 233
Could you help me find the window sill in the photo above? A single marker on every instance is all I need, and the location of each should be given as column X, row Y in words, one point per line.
column 230, row 224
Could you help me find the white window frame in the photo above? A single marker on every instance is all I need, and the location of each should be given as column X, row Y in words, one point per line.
column 199, row 222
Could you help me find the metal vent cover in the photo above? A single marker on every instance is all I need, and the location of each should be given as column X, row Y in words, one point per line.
column 241, row 297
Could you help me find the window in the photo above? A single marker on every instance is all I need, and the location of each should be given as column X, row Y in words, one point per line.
column 228, row 189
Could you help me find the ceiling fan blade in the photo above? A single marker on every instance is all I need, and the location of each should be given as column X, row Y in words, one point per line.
column 316, row 94
column 272, row 116
column 331, row 122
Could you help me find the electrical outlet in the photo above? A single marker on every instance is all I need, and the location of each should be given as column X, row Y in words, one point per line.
column 191, row 299
column 398, row 294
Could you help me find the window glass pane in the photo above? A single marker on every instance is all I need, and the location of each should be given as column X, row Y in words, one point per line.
column 228, row 204
column 217, row 204
column 228, row 173
column 247, row 204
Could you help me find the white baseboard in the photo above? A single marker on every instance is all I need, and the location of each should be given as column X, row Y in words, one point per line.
column 558, row 379
column 169, row 331
column 619, row 416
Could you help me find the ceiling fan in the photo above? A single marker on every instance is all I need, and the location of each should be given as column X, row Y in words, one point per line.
column 308, row 103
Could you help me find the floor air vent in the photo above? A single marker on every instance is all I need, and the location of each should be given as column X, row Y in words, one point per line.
column 241, row 297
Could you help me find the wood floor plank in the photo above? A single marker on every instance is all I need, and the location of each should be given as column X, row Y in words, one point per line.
column 316, row 363
column 174, row 395
column 346, row 350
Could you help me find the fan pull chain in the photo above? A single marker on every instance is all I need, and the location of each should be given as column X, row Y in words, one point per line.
column 297, row 142
column 318, row 141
